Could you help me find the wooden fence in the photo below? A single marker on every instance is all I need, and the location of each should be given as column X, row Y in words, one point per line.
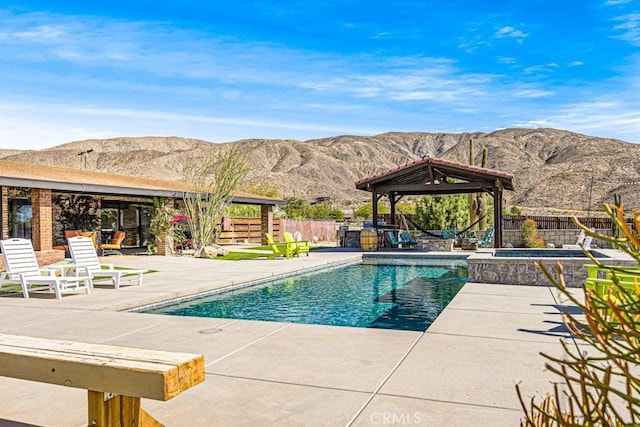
column 323, row 230
column 249, row 229
column 244, row 229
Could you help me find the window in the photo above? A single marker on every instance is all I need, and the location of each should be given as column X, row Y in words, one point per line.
column 20, row 215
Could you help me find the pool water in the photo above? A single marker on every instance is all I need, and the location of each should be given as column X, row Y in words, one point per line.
column 406, row 297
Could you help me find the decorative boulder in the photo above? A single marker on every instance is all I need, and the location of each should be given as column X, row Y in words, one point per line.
column 213, row 251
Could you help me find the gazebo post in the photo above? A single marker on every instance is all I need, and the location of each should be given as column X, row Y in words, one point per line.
column 392, row 202
column 497, row 213
column 374, row 206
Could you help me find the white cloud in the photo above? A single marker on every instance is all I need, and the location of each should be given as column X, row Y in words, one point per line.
column 617, row 2
column 605, row 118
column 533, row 93
column 512, row 33
column 629, row 28
column 507, row 60
column 541, row 68
column 575, row 63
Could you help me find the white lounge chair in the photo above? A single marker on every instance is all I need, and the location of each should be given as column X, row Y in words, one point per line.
column 84, row 255
column 582, row 241
column 22, row 267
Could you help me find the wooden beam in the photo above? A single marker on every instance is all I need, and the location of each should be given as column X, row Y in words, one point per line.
column 128, row 371
column 444, row 188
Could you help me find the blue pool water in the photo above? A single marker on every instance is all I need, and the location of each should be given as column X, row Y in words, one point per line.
column 407, row 297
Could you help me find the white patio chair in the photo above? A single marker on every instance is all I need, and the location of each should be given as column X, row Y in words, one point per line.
column 84, row 255
column 22, row 267
column 582, row 240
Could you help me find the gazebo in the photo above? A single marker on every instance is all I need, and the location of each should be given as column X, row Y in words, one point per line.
column 435, row 176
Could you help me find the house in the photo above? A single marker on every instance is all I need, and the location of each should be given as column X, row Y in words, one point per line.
column 40, row 202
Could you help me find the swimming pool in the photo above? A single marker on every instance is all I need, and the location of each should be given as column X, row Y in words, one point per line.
column 389, row 296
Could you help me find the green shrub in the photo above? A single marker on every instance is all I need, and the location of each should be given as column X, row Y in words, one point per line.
column 529, row 235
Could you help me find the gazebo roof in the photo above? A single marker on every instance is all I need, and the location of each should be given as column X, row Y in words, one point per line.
column 432, row 175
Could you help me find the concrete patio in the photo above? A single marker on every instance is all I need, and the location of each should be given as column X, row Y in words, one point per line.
column 461, row 372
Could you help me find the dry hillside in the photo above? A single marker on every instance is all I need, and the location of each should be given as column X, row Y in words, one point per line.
column 552, row 168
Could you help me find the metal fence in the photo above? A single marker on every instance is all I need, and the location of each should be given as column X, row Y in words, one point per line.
column 510, row 222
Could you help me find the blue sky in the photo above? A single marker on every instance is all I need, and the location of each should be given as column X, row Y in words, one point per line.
column 227, row 70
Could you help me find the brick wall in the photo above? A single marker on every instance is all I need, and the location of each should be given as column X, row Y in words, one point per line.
column 41, row 222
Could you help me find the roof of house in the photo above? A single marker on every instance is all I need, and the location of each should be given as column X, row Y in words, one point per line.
column 18, row 174
column 432, row 175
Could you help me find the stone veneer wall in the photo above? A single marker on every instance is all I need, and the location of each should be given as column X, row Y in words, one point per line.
column 483, row 267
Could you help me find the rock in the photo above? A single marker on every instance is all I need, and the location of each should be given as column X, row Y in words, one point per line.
column 213, row 251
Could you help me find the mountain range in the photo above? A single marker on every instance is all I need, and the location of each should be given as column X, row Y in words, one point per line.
column 555, row 170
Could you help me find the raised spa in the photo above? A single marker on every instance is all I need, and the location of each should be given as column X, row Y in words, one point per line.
column 519, row 266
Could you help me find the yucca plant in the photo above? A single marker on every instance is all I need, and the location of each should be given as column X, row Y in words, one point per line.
column 599, row 386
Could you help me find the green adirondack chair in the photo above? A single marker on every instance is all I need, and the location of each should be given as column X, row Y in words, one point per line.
column 300, row 246
column 280, row 249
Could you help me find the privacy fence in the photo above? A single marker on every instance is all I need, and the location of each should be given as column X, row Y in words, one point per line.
column 248, row 229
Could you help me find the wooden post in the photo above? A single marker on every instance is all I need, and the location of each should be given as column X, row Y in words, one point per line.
column 374, row 209
column 266, row 223
column 392, row 202
column 117, row 411
column 497, row 214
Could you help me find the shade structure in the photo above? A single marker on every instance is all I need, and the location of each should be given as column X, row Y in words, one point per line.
column 436, row 176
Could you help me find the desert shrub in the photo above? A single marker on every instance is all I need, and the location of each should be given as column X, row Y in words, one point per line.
column 365, row 210
column 438, row 212
column 529, row 235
